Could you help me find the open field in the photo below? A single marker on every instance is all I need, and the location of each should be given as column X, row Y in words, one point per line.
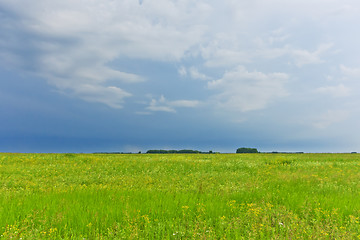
column 179, row 196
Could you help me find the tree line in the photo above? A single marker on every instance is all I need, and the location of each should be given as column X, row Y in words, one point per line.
column 176, row 151
column 161, row 151
column 239, row 150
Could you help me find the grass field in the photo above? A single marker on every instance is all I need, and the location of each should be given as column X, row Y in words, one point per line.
column 179, row 196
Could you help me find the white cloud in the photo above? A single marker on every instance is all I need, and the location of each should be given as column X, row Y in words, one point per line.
column 335, row 91
column 195, row 74
column 222, row 57
column 278, row 36
column 182, row 71
column 71, row 43
column 224, row 50
column 184, row 103
column 304, row 57
column 111, row 96
column 241, row 90
column 350, row 72
column 163, row 105
column 299, row 57
column 158, row 108
column 329, row 118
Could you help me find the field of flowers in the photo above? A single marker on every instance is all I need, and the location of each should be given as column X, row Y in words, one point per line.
column 179, row 196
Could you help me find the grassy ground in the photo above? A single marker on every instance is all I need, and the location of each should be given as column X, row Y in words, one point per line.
column 180, row 196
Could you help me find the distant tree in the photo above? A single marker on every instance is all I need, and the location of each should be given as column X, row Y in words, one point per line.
column 187, row 151
column 173, row 151
column 247, row 150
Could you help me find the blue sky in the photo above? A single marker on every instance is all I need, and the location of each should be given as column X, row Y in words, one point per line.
column 87, row 76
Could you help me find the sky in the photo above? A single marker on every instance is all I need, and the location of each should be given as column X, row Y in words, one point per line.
column 134, row 75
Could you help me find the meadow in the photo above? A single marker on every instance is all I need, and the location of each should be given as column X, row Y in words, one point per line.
column 179, row 196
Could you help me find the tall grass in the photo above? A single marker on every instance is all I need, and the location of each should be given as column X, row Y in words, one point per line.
column 184, row 196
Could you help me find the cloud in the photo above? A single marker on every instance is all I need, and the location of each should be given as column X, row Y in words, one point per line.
column 350, row 72
column 184, row 103
column 223, row 50
column 163, row 105
column 329, row 118
column 193, row 72
column 278, row 36
column 74, row 45
column 335, row 91
column 182, row 71
column 241, row 90
column 299, row 57
column 304, row 57
column 111, row 96
column 71, row 44
column 160, row 106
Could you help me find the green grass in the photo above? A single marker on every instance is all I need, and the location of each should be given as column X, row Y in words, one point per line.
column 179, row 196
